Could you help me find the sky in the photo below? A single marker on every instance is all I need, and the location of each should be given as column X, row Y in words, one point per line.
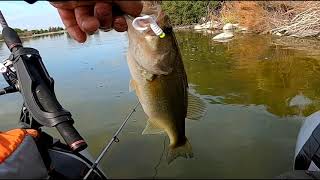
column 20, row 14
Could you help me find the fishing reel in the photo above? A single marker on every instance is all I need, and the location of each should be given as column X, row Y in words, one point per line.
column 10, row 76
column 25, row 73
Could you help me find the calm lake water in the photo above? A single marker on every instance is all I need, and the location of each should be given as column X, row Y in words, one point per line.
column 257, row 91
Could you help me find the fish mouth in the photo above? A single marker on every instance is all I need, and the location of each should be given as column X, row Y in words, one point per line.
column 148, row 31
column 129, row 19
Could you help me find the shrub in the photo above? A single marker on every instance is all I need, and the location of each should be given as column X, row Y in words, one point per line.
column 188, row 12
column 292, row 18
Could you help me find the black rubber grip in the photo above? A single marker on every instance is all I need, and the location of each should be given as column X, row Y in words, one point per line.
column 11, row 38
column 7, row 90
column 71, row 136
column 49, row 103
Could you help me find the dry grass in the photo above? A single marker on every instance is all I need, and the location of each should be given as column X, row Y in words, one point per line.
column 291, row 18
column 305, row 21
column 246, row 13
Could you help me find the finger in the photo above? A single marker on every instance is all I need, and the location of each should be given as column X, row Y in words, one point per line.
column 103, row 11
column 69, row 21
column 85, row 19
column 120, row 24
column 132, row 8
column 63, row 5
column 70, row 4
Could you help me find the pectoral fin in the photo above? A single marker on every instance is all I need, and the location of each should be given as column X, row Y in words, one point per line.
column 132, row 85
column 147, row 75
column 197, row 108
column 152, row 128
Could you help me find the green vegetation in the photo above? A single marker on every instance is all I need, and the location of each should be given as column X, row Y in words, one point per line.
column 289, row 18
column 188, row 12
column 51, row 29
column 26, row 32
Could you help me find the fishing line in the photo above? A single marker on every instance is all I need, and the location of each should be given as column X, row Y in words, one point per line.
column 114, row 139
column 159, row 162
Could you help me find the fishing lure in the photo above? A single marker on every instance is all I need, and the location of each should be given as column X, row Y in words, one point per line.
column 142, row 23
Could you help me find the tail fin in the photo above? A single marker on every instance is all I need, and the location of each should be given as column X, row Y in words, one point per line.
column 184, row 150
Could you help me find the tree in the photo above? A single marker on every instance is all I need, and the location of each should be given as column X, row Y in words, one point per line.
column 187, row 12
column 19, row 31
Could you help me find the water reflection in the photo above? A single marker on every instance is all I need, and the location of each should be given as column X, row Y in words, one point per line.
column 256, row 71
column 249, row 83
column 2, row 46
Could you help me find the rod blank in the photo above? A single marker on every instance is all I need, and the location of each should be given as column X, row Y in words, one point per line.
column 3, row 21
column 114, row 139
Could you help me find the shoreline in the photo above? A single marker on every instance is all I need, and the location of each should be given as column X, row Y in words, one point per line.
column 38, row 35
column 184, row 27
column 48, row 33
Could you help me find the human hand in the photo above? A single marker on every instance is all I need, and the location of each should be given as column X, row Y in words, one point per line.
column 85, row 17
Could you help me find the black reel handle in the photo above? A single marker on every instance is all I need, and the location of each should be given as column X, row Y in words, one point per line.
column 37, row 89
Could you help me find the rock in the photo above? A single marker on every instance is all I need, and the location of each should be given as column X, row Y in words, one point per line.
column 300, row 100
column 207, row 25
column 278, row 34
column 236, row 25
column 216, row 25
column 197, row 27
column 209, row 31
column 242, row 28
column 223, row 36
column 222, row 40
column 228, row 26
column 183, row 27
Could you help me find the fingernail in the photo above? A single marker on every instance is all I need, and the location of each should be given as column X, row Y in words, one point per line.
column 105, row 29
column 91, row 33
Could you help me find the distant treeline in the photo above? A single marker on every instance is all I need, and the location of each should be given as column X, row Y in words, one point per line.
column 26, row 32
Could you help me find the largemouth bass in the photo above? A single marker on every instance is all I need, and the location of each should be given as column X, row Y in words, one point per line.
column 160, row 82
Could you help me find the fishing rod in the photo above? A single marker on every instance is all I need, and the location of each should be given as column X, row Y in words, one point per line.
column 3, row 21
column 25, row 73
column 114, row 139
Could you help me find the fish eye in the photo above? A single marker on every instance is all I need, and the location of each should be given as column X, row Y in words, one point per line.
column 167, row 30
